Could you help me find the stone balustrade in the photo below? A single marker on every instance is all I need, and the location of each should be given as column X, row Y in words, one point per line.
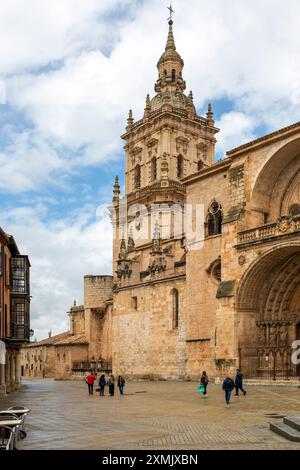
column 284, row 226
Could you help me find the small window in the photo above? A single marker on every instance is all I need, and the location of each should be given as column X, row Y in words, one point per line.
column 134, row 303
column 179, row 166
column 295, row 209
column 153, row 169
column 175, row 309
column 137, row 177
column 214, row 219
column 173, row 75
column 200, row 165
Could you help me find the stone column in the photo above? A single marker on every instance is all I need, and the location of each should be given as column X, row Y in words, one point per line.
column 7, row 371
column 18, row 370
column 12, row 371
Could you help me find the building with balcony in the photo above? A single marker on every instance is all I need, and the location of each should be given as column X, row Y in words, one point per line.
column 14, row 310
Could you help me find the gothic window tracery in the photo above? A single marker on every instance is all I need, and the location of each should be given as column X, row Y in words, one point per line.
column 214, row 219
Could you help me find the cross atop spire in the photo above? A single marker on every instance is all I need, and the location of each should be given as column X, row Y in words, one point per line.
column 170, row 19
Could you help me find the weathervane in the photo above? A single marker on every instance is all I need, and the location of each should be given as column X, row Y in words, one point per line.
column 170, row 19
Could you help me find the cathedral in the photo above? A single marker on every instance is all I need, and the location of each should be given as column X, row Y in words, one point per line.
column 206, row 253
column 231, row 297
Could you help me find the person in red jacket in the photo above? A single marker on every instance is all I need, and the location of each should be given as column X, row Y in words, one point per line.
column 90, row 379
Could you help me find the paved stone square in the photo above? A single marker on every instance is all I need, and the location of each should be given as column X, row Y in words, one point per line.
column 152, row 415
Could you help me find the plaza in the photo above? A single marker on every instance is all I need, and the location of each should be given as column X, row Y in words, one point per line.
column 152, row 415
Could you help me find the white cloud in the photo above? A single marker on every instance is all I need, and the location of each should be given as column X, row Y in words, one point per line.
column 61, row 253
column 235, row 129
column 247, row 52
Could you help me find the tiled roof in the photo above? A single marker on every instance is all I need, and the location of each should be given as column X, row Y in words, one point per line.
column 49, row 341
column 72, row 339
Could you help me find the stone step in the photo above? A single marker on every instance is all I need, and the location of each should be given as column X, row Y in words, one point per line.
column 292, row 422
column 285, row 431
column 274, row 383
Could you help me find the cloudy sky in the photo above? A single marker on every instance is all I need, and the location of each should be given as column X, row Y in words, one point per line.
column 69, row 72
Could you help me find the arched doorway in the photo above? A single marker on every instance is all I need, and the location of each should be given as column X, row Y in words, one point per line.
column 268, row 304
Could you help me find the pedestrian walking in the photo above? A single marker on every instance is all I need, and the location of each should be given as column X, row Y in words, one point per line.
column 204, row 382
column 90, row 379
column 228, row 386
column 111, row 385
column 121, row 384
column 238, row 382
column 102, row 383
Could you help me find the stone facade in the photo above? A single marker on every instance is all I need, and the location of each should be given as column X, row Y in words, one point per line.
column 237, row 285
column 219, row 291
column 86, row 346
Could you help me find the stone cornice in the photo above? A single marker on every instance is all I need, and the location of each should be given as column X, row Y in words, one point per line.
column 265, row 140
column 142, row 285
column 174, row 115
column 209, row 171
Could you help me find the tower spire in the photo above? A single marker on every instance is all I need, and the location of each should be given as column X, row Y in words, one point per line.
column 170, row 64
column 170, row 46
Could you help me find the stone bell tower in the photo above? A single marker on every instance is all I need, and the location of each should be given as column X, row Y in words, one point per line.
column 169, row 143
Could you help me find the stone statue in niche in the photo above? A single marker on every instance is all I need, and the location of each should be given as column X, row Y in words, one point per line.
column 273, row 335
column 283, row 335
column 261, row 335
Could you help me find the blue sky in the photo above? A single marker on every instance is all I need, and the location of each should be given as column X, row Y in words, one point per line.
column 72, row 70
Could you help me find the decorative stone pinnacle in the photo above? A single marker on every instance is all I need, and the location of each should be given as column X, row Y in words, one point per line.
column 210, row 114
column 116, row 190
column 148, row 106
column 130, row 119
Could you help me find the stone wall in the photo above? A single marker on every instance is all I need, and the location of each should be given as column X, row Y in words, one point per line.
column 145, row 345
column 97, row 291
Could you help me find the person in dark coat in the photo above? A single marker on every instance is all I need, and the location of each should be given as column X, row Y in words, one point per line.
column 238, row 382
column 121, row 384
column 228, row 386
column 204, row 381
column 111, row 385
column 102, row 383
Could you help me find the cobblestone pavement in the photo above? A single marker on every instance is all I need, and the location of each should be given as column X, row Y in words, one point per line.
column 152, row 415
